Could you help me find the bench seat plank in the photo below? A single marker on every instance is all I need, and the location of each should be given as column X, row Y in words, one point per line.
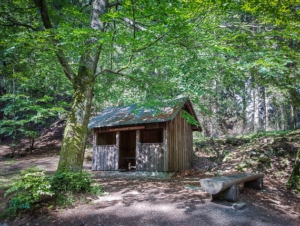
column 215, row 185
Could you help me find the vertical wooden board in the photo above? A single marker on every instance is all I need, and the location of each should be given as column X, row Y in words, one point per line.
column 94, row 165
column 102, row 157
column 170, row 147
column 109, row 158
column 137, row 151
column 117, row 150
column 95, row 158
column 172, row 151
column 184, row 148
column 147, row 159
column 102, row 154
column 151, row 157
column 177, row 142
column 161, row 161
column 112, row 158
column 106, row 163
column 153, row 153
column 140, row 161
column 161, row 158
column 115, row 166
column 165, row 150
column 142, row 158
column 98, row 159
column 158, row 164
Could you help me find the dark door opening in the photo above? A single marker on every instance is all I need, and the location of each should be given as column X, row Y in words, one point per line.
column 127, row 149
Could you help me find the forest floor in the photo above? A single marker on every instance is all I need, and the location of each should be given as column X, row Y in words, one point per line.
column 133, row 198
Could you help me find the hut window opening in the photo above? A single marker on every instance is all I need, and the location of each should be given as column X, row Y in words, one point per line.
column 152, row 136
column 106, row 138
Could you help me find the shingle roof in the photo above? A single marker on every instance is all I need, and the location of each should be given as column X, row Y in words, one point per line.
column 132, row 115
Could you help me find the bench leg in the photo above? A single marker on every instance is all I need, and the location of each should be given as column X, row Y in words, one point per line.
column 255, row 184
column 231, row 194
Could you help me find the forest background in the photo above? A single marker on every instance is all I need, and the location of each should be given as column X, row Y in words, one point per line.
column 238, row 61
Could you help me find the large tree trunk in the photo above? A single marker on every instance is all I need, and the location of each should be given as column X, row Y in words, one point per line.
column 73, row 144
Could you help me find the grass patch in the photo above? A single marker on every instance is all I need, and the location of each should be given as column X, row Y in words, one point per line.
column 261, row 134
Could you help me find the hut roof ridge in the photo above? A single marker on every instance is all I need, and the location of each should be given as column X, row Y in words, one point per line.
column 132, row 114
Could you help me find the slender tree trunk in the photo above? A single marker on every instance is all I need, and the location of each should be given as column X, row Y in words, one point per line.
column 244, row 110
column 266, row 104
column 255, row 109
column 282, row 118
column 293, row 118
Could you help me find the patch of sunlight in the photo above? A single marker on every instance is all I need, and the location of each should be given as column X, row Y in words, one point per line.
column 156, row 207
column 133, row 193
column 108, row 198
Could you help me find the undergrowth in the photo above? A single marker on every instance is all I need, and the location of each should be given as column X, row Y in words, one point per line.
column 33, row 188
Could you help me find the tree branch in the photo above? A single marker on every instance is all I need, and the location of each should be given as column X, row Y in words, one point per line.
column 41, row 4
column 133, row 24
column 152, row 43
column 110, row 71
column 18, row 24
column 118, row 72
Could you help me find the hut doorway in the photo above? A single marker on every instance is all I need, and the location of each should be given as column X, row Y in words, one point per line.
column 127, row 149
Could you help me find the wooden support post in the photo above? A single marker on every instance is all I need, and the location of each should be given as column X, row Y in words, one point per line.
column 231, row 194
column 255, row 184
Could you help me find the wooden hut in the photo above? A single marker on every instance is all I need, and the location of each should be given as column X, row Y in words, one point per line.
column 128, row 137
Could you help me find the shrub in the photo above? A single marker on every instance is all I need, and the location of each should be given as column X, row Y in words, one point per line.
column 65, row 184
column 71, row 182
column 32, row 186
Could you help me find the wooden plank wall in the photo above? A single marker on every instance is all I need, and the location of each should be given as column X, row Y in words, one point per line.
column 105, row 157
column 151, row 157
column 179, row 144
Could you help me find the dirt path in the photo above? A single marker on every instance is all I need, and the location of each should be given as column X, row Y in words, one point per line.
column 146, row 201
column 136, row 199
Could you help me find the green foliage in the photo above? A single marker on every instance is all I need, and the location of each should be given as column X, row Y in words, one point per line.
column 294, row 183
column 189, row 118
column 67, row 184
column 30, row 187
column 261, row 134
column 33, row 186
column 24, row 113
column 72, row 182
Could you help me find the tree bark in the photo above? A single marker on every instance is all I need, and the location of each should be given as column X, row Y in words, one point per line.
column 74, row 141
column 255, row 109
column 76, row 130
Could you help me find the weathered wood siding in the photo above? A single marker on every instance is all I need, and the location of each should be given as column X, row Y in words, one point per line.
column 179, row 144
column 151, row 157
column 105, row 157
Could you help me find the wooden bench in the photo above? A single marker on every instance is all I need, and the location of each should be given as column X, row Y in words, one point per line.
column 226, row 187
